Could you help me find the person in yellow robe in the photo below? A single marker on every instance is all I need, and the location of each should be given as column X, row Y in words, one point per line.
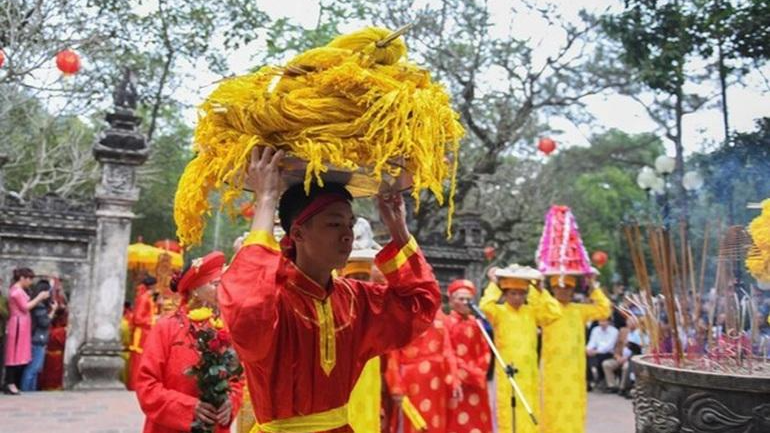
column 364, row 403
column 564, row 356
column 515, row 304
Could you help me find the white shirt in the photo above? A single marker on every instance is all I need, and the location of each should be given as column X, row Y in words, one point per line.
column 603, row 340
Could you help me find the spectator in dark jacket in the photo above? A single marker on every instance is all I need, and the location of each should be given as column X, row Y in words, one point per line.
column 41, row 314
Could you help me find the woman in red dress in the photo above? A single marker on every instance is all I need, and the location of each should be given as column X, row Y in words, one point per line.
column 167, row 394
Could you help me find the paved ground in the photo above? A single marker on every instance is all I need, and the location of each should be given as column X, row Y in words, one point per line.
column 118, row 412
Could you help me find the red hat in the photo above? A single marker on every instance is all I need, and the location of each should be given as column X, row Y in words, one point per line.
column 461, row 284
column 202, row 271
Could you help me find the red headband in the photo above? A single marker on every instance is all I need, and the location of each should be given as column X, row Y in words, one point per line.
column 314, row 208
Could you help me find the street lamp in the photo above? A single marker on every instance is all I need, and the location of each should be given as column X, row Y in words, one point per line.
column 665, row 165
column 646, row 178
column 692, row 181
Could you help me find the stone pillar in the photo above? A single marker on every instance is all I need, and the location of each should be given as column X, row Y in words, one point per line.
column 3, row 161
column 120, row 150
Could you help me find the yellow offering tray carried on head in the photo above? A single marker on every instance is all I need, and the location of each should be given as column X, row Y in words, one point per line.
column 358, row 182
column 355, row 111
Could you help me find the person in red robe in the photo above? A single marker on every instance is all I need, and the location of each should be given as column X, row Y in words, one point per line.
column 471, row 412
column 425, row 371
column 302, row 334
column 168, row 395
column 141, row 322
column 51, row 378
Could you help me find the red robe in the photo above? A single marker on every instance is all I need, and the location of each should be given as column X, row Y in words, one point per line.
column 426, row 372
column 51, row 376
column 473, row 413
column 167, row 395
column 304, row 346
column 141, row 323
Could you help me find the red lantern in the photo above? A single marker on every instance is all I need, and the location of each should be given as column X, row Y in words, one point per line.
column 247, row 210
column 68, row 62
column 489, row 253
column 599, row 258
column 2, row 58
column 546, row 145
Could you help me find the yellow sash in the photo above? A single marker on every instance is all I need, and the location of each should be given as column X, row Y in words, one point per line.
column 413, row 415
column 331, row 419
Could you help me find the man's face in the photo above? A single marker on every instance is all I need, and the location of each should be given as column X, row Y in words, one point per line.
column 459, row 301
column 327, row 238
column 604, row 323
column 563, row 294
column 515, row 297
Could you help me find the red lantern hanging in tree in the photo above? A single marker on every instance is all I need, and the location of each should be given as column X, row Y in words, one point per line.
column 247, row 210
column 599, row 258
column 2, row 58
column 546, row 145
column 489, row 253
column 68, row 62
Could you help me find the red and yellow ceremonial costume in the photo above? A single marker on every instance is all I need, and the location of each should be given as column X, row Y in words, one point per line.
column 516, row 338
column 167, row 394
column 52, row 376
column 425, row 372
column 472, row 413
column 304, row 346
column 141, row 322
column 364, row 406
column 564, row 365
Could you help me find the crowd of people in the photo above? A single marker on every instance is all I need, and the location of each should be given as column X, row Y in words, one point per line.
column 33, row 322
column 339, row 335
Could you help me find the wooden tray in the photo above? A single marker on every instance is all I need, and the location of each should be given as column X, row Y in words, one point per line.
column 357, row 182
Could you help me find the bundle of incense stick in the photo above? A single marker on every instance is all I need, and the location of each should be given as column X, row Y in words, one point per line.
column 633, row 237
column 663, row 257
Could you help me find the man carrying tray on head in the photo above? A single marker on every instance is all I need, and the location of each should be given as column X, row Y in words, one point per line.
column 302, row 334
column 563, row 259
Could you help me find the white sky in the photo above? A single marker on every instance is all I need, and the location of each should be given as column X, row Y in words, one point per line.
column 746, row 103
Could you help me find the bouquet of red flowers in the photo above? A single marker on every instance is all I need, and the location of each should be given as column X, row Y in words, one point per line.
column 218, row 365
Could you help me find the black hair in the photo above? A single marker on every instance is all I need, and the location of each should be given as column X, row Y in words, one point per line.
column 294, row 200
column 39, row 287
column 149, row 281
column 173, row 285
column 20, row 273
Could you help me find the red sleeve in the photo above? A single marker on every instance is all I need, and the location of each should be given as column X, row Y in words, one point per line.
column 396, row 313
column 476, row 372
column 143, row 310
column 393, row 374
column 249, row 295
column 167, row 407
column 236, row 398
column 450, row 359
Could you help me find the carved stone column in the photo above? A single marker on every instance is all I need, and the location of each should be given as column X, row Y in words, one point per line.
column 3, row 161
column 120, row 150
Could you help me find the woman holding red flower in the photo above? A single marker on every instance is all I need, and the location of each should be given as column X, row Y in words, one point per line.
column 174, row 392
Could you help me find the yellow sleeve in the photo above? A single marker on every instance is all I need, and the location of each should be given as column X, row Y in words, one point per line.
column 489, row 300
column 600, row 309
column 546, row 308
column 263, row 238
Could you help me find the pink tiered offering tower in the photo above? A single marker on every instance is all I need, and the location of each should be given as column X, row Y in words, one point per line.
column 561, row 250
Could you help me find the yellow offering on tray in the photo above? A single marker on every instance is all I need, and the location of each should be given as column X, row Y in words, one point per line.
column 355, row 105
column 758, row 258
